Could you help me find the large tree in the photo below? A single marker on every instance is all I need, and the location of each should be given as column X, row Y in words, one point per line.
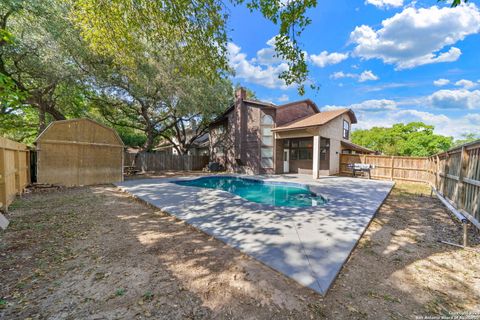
column 193, row 108
column 412, row 139
column 36, row 62
column 193, row 30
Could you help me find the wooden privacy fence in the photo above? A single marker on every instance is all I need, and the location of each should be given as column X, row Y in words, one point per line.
column 390, row 167
column 455, row 174
column 160, row 161
column 14, row 170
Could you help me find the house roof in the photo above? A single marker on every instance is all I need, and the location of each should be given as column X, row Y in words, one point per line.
column 296, row 103
column 223, row 116
column 263, row 104
column 356, row 147
column 260, row 103
column 317, row 119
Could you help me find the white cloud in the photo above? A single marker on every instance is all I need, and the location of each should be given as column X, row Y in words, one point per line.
column 265, row 67
column 267, row 55
column 258, row 73
column 283, row 98
column 455, row 99
column 416, row 37
column 441, row 82
column 467, row 84
column 341, row 75
column 368, row 105
column 375, row 105
column 385, row 3
column 366, row 75
column 324, row 58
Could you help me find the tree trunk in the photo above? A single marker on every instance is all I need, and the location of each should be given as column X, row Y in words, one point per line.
column 150, row 142
column 42, row 121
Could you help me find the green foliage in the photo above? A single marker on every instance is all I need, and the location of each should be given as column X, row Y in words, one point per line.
column 120, row 292
column 466, row 138
column 6, row 36
column 455, row 2
column 193, row 30
column 131, row 137
column 11, row 97
column 17, row 121
column 192, row 110
column 21, row 125
column 412, row 139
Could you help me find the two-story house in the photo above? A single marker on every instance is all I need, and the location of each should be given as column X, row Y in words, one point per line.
column 256, row 137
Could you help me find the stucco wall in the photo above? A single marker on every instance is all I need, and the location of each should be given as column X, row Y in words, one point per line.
column 334, row 131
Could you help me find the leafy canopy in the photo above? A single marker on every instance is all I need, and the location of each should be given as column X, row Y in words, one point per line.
column 412, row 139
column 194, row 30
column 466, row 138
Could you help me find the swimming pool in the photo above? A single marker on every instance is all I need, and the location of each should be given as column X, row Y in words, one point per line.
column 266, row 192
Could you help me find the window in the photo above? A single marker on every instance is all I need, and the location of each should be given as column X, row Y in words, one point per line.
column 267, row 120
column 301, row 149
column 267, row 141
column 324, row 149
column 346, row 129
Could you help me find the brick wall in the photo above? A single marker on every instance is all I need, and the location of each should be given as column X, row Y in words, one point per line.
column 293, row 112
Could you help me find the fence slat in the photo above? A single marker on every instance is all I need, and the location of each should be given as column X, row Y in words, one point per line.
column 162, row 161
column 14, row 170
column 455, row 174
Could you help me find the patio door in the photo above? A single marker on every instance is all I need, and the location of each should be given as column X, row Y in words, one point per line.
column 286, row 159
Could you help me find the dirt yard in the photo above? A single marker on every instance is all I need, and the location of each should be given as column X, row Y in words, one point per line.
column 96, row 253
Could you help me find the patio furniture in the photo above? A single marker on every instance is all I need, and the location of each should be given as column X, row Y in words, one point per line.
column 130, row 170
column 362, row 168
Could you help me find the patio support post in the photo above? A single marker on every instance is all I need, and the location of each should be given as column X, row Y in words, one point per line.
column 316, row 156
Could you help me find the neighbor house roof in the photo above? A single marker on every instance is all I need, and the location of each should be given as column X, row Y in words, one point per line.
column 356, row 147
column 317, row 119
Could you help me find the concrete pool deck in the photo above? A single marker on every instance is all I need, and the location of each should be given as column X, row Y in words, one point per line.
column 309, row 244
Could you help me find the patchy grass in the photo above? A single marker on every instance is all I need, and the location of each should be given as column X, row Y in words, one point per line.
column 95, row 252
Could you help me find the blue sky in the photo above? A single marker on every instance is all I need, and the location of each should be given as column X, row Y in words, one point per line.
column 389, row 60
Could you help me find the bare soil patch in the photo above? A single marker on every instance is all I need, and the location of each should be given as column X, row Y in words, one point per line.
column 96, row 253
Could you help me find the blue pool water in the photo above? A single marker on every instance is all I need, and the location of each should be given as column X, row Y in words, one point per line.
column 266, row 192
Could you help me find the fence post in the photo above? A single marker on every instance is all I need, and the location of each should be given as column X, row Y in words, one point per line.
column 439, row 181
column 445, row 169
column 392, row 168
column 28, row 163
column 3, row 187
column 459, row 195
column 16, row 161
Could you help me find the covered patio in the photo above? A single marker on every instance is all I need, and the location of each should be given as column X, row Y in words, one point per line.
column 313, row 145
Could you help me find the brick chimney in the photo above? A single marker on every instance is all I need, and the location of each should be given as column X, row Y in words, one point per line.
column 240, row 125
column 240, row 93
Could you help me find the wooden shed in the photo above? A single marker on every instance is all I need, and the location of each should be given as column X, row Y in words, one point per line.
column 79, row 152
